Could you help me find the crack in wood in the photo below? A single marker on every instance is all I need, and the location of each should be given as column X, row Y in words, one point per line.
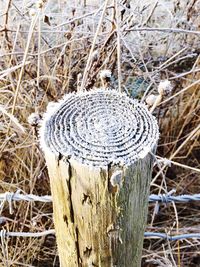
column 77, row 248
column 72, row 217
column 65, row 219
column 70, row 191
column 110, row 187
column 60, row 156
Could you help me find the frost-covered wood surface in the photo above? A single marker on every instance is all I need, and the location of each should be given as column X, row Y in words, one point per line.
column 98, row 147
column 98, row 128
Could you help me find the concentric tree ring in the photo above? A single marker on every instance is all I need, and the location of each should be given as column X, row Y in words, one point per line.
column 99, row 127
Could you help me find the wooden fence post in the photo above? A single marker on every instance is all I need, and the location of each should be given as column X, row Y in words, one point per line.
column 98, row 147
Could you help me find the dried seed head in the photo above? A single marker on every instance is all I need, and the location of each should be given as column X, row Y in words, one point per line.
column 105, row 74
column 151, row 99
column 79, row 76
column 34, row 119
column 32, row 12
column 39, row 4
column 164, row 87
column 94, row 55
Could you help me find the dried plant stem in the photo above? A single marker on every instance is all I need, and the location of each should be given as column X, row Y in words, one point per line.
column 191, row 135
column 156, row 103
column 39, row 50
column 181, row 165
column 118, row 45
column 168, row 30
column 177, row 232
column 87, row 67
column 12, row 119
column 5, row 29
column 77, row 18
column 150, row 14
column 172, row 57
column 33, row 22
column 180, row 92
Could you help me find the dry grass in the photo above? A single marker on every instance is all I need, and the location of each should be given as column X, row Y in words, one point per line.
column 63, row 47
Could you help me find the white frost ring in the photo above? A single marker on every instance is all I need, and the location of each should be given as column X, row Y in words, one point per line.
column 99, row 127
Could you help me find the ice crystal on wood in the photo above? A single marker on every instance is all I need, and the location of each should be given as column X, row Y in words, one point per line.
column 99, row 127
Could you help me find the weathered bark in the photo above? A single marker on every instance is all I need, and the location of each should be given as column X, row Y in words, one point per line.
column 99, row 214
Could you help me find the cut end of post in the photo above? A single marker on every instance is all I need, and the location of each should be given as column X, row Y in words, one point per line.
column 98, row 128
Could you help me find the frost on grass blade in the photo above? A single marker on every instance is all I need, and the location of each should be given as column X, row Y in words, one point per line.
column 98, row 128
